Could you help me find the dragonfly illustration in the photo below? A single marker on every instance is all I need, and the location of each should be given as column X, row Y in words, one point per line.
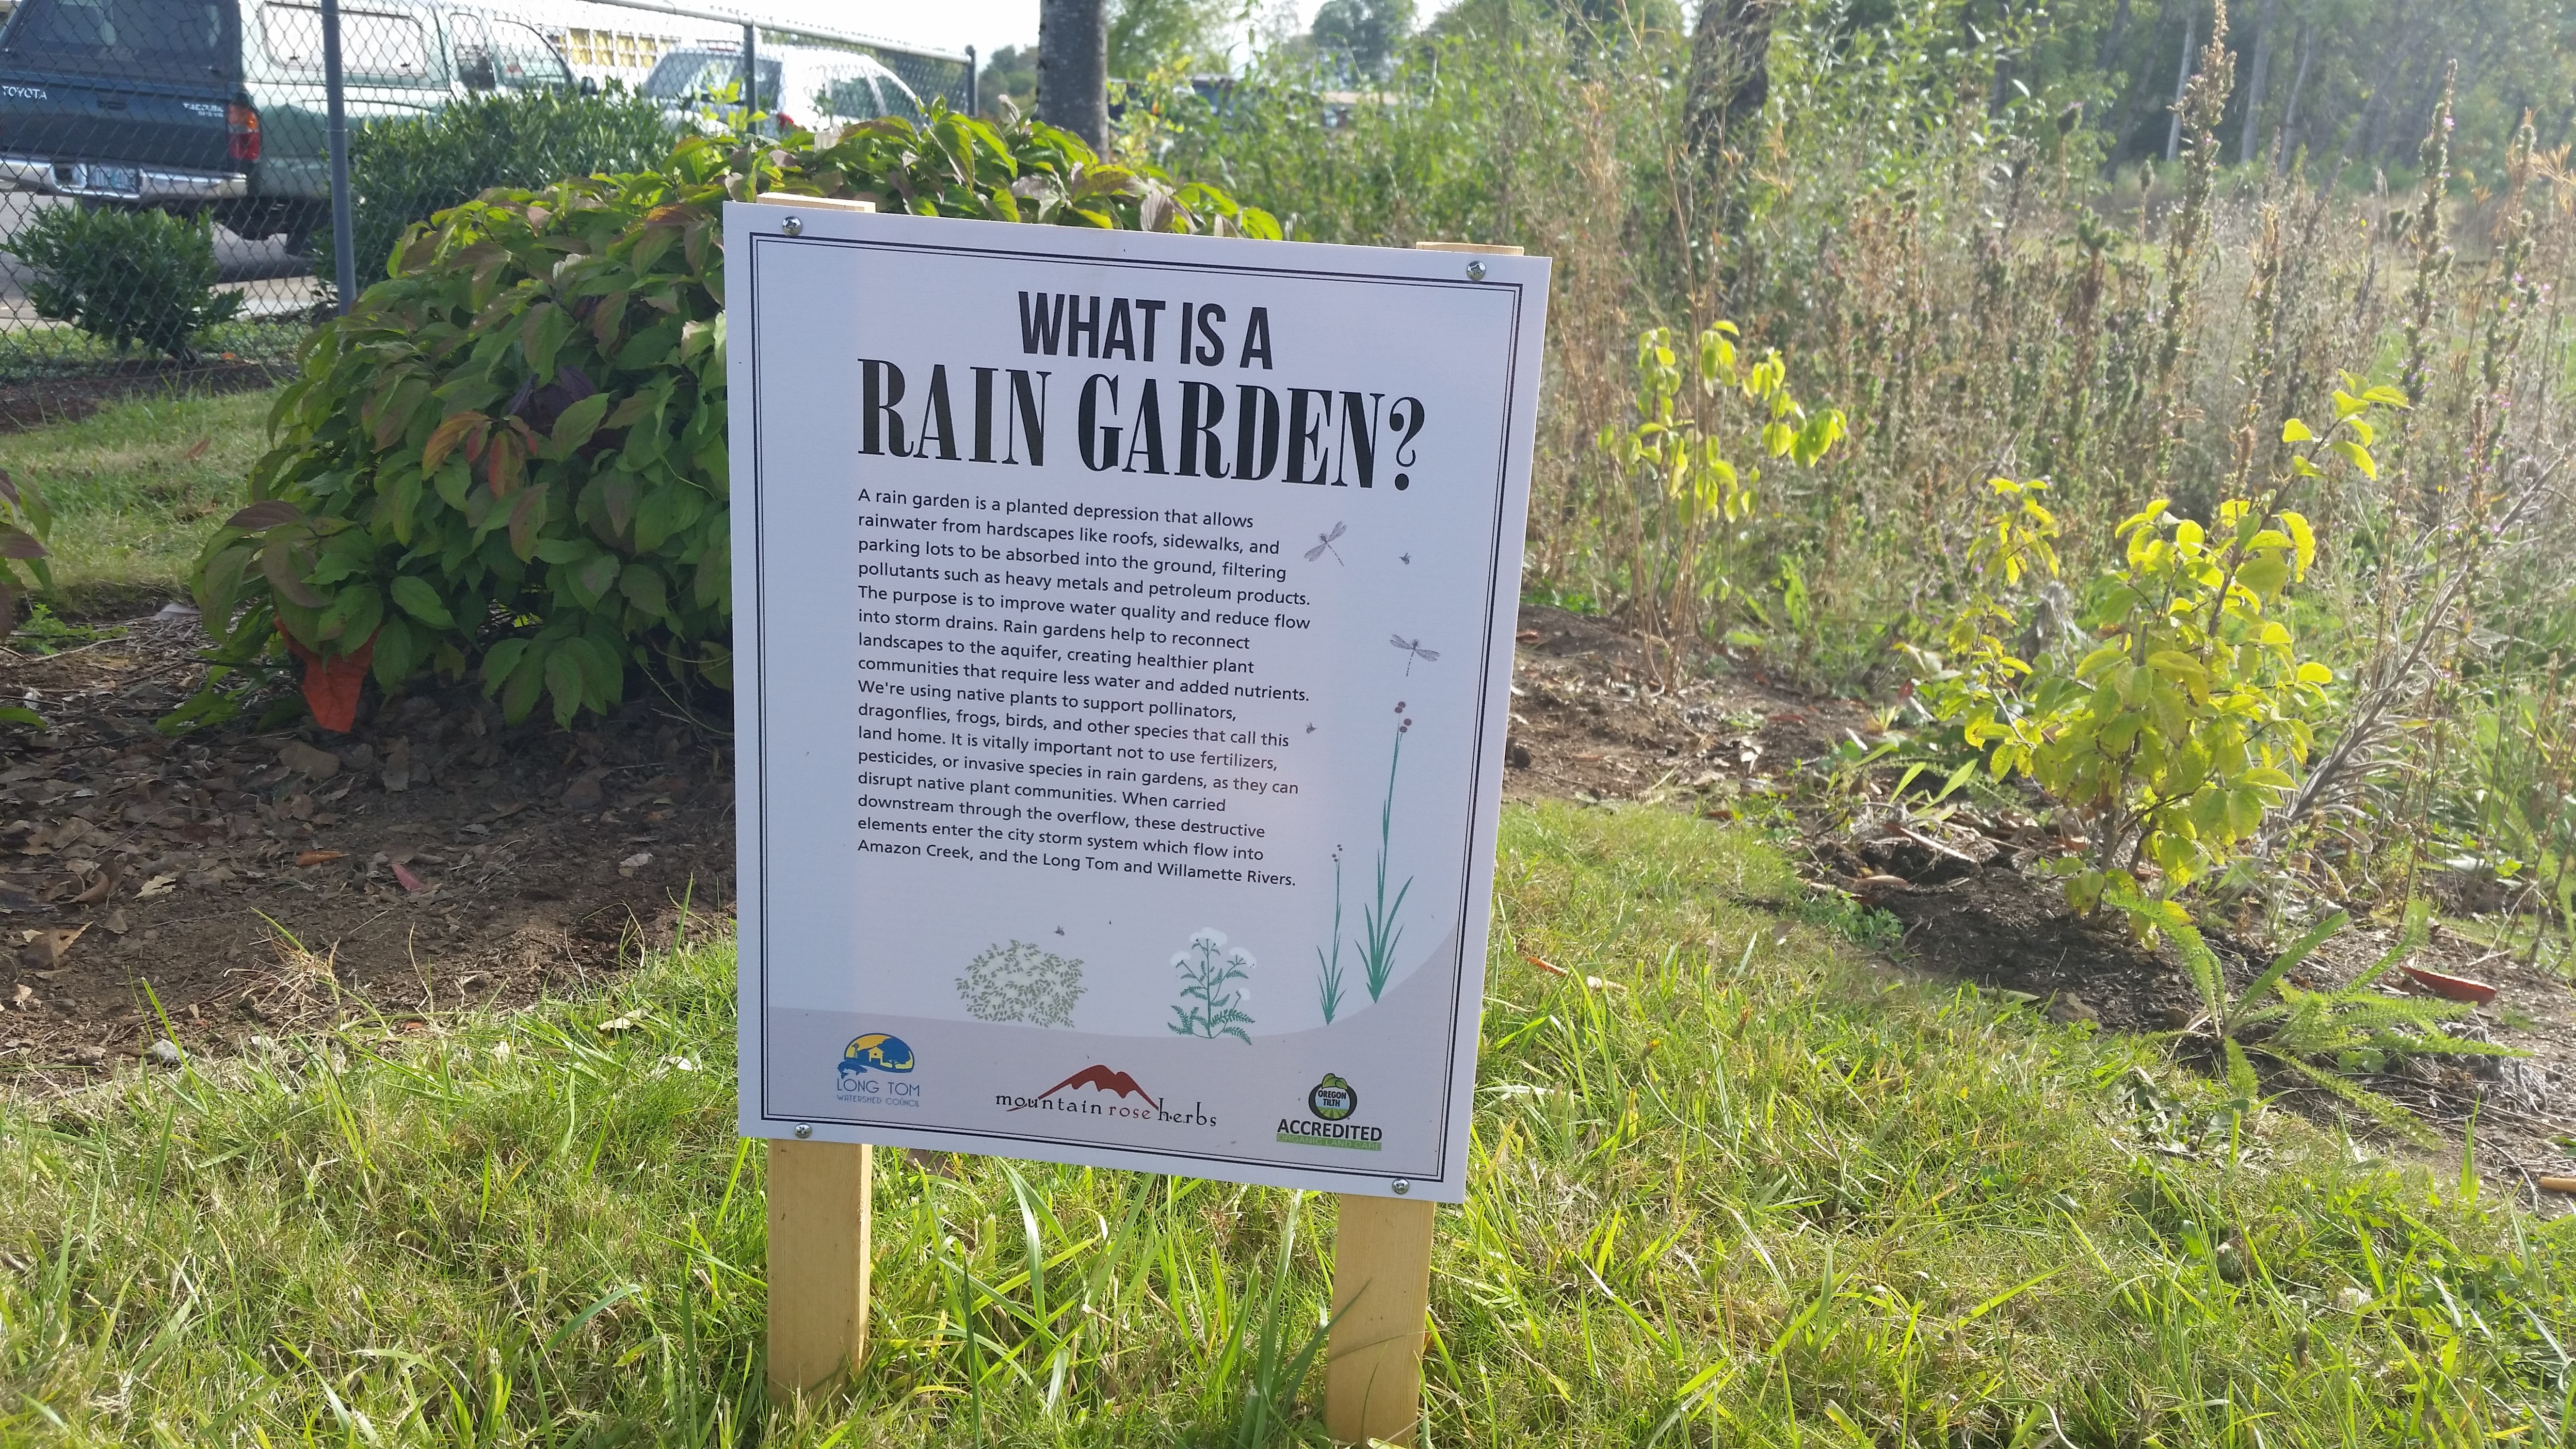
column 1324, row 543
column 1412, row 650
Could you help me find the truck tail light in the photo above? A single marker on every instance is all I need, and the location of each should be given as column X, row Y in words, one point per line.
column 242, row 125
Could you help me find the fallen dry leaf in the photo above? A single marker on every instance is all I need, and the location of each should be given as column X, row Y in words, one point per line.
column 197, row 449
column 45, row 949
column 635, row 862
column 404, row 878
column 617, row 1024
column 1544, row 966
column 99, row 889
column 23, row 997
column 584, row 792
column 157, row 886
column 316, row 764
column 319, row 857
column 115, row 922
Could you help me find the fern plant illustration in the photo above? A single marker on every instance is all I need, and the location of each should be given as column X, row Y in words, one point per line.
column 1328, row 969
column 1212, row 999
column 1378, row 925
column 1021, row 982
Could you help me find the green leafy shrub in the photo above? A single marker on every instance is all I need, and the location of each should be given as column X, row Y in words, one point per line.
column 125, row 276
column 410, row 169
column 514, row 447
column 24, row 522
column 2184, row 723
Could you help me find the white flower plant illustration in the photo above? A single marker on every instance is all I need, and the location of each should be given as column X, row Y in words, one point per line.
column 1212, row 989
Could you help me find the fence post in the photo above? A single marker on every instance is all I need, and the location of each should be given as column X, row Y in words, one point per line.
column 974, row 84
column 344, row 241
column 750, row 78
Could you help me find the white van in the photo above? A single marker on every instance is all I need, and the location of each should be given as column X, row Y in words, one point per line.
column 804, row 87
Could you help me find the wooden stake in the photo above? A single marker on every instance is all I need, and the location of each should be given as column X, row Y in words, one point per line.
column 1381, row 1306
column 819, row 1216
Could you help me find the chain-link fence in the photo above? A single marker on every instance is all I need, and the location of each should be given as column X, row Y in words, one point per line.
column 168, row 198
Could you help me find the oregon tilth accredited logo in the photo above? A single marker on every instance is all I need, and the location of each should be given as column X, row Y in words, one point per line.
column 1333, row 1102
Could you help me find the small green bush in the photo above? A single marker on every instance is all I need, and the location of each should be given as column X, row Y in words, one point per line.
column 125, row 276
column 408, row 170
column 24, row 523
column 514, row 447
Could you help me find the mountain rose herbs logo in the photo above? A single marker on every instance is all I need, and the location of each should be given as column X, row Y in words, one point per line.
column 1107, row 1096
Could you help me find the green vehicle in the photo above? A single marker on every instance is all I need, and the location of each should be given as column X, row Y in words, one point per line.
column 219, row 105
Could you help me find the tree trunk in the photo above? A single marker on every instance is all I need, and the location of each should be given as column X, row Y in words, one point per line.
column 1073, row 67
column 1730, row 78
column 2182, row 84
column 2253, row 124
column 2111, row 42
column 2288, row 133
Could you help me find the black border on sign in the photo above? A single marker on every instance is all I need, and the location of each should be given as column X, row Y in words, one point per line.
column 760, row 242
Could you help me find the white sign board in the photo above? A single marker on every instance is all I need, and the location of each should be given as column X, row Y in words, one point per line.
column 1123, row 635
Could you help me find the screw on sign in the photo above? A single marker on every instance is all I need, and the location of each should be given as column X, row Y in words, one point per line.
column 1041, row 818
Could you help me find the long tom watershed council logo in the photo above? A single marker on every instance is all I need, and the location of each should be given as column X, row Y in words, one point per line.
column 869, row 1066
column 1100, row 1090
column 1333, row 1101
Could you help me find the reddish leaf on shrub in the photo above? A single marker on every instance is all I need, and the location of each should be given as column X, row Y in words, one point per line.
column 527, row 511
column 331, row 681
column 267, row 513
column 501, row 465
column 450, row 433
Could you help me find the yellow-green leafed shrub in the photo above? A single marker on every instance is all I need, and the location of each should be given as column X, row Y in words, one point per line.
column 2190, row 715
column 512, row 450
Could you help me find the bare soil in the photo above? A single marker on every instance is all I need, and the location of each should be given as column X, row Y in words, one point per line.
column 237, row 883
column 38, row 402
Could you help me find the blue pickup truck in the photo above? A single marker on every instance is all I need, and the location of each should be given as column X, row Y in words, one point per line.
column 218, row 105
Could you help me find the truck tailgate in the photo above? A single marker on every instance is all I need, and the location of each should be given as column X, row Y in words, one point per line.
column 113, row 125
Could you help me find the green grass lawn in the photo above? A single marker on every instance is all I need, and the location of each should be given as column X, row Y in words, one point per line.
column 135, row 489
column 1754, row 1191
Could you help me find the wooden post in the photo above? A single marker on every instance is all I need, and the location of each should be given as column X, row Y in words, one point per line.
column 819, row 1217
column 1382, row 1272
column 1381, row 1307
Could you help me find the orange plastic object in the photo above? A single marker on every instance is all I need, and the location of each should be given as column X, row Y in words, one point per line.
column 2453, row 988
column 331, row 683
